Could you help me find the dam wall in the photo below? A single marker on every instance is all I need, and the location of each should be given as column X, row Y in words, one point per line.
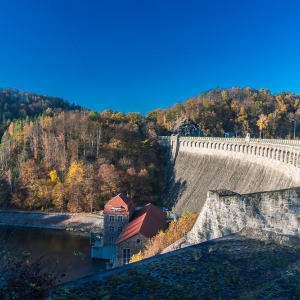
column 196, row 165
column 226, row 212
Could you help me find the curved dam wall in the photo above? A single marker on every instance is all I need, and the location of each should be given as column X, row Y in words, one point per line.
column 196, row 165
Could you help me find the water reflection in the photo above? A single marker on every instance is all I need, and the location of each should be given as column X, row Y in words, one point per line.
column 59, row 248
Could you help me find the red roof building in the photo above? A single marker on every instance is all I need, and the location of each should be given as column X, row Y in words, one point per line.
column 147, row 221
column 126, row 230
column 145, row 224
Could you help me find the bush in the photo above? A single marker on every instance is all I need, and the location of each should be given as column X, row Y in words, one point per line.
column 22, row 279
column 176, row 230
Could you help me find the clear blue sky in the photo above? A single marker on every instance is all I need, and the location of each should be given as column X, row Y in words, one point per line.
column 148, row 54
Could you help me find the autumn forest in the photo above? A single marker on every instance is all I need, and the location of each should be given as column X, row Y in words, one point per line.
column 62, row 157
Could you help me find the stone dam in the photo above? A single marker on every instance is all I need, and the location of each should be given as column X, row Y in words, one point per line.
column 197, row 165
column 233, row 184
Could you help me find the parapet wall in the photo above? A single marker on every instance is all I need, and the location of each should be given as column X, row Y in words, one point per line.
column 197, row 165
column 226, row 212
column 286, row 152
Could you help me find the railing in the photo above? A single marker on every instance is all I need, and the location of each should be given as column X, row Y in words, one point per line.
column 239, row 140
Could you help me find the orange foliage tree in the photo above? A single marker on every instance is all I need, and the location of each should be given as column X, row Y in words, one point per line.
column 176, row 230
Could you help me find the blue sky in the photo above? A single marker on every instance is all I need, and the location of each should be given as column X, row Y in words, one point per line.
column 150, row 54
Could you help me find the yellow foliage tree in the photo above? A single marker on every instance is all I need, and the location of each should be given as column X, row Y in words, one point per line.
column 58, row 195
column 47, row 122
column 10, row 129
column 280, row 106
column 242, row 118
column 176, row 230
column 54, row 177
column 262, row 122
column 76, row 172
column 44, row 193
column 136, row 257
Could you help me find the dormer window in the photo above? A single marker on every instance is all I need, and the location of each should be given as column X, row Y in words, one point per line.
column 116, row 208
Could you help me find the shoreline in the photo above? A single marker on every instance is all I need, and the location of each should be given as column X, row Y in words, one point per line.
column 78, row 222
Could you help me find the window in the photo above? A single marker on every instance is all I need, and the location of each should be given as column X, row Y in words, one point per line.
column 138, row 241
column 126, row 256
column 111, row 240
column 120, row 229
column 111, row 218
column 120, row 219
column 111, row 229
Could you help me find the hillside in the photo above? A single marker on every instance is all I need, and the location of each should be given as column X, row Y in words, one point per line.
column 76, row 160
column 15, row 104
column 237, row 111
column 55, row 156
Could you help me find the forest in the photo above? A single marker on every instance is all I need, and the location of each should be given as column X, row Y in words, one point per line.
column 15, row 104
column 62, row 157
column 76, row 160
column 237, row 110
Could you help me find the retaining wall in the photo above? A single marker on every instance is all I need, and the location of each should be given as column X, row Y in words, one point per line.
column 226, row 212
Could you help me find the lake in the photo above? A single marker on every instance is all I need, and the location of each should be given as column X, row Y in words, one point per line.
column 68, row 252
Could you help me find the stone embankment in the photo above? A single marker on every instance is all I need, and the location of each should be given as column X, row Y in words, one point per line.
column 226, row 212
column 65, row 221
column 252, row 264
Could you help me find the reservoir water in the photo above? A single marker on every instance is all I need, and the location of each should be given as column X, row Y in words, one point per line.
column 66, row 252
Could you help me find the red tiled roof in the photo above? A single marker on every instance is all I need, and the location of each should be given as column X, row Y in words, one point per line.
column 120, row 201
column 147, row 221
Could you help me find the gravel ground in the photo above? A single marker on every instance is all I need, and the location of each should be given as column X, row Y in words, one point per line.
column 250, row 265
column 66, row 221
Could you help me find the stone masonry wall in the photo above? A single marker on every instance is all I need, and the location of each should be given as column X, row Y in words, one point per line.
column 224, row 213
column 110, row 229
column 131, row 244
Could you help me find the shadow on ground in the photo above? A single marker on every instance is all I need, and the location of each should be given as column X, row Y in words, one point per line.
column 250, row 265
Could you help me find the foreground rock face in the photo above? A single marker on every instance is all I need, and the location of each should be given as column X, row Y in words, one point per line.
column 253, row 264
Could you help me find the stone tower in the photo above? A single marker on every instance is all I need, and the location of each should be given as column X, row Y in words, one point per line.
column 117, row 214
